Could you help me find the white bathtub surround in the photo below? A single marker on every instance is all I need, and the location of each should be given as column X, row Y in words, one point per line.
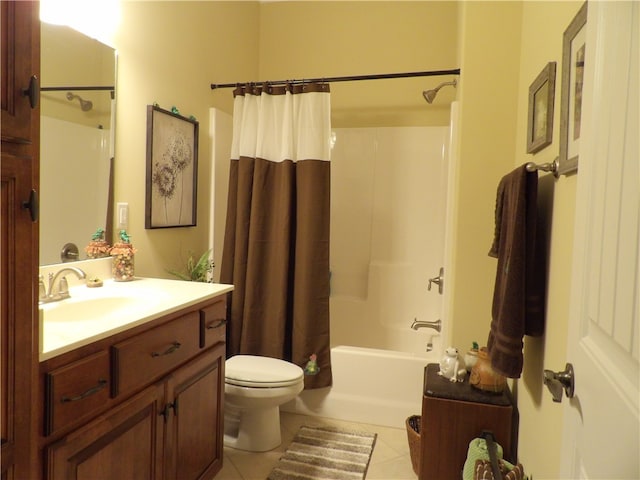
column 379, row 387
column 87, row 164
column 388, row 202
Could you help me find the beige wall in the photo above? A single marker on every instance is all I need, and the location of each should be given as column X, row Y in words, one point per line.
column 503, row 47
column 316, row 39
column 490, row 37
column 540, row 418
column 171, row 51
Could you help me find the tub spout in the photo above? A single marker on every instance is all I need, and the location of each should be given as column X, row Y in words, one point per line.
column 437, row 325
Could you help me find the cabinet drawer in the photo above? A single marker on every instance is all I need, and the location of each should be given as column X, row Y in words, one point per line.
column 146, row 357
column 76, row 390
column 213, row 321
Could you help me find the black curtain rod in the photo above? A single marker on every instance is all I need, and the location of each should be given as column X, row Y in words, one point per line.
column 60, row 89
column 432, row 73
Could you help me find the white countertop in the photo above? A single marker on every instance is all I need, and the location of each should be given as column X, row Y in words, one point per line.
column 92, row 314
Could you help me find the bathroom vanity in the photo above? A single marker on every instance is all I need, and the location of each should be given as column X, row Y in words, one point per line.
column 138, row 398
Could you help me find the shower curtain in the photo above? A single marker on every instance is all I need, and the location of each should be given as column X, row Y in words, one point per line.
column 276, row 245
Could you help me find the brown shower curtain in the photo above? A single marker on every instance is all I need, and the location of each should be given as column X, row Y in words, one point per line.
column 276, row 245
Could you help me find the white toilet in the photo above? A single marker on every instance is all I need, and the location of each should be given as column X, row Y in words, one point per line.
column 255, row 387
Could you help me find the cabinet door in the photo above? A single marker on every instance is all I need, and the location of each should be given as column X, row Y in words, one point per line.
column 194, row 431
column 124, row 443
column 20, row 64
column 19, row 127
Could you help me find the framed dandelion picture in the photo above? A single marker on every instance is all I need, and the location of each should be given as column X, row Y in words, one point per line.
column 172, row 169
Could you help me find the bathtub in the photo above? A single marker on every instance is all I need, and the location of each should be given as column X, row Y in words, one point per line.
column 380, row 387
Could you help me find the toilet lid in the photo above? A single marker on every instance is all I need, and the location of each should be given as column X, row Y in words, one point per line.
column 257, row 371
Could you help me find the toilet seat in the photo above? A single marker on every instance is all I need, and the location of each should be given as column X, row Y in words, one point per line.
column 261, row 372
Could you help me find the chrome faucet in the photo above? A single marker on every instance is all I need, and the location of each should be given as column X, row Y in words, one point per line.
column 47, row 294
column 437, row 325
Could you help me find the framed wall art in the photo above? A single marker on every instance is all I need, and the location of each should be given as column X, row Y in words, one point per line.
column 172, row 169
column 573, row 51
column 541, row 100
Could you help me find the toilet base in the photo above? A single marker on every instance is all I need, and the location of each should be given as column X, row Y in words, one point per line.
column 252, row 430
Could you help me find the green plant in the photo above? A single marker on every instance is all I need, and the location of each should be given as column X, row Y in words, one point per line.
column 196, row 271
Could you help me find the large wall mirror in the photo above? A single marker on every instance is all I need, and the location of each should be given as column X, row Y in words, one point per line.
column 78, row 76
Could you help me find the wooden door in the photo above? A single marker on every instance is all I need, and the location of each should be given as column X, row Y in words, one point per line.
column 194, row 431
column 602, row 426
column 20, row 61
column 124, row 443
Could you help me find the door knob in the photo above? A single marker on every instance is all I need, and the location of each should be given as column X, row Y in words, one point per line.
column 556, row 382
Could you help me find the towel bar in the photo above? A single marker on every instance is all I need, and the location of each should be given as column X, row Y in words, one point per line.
column 545, row 167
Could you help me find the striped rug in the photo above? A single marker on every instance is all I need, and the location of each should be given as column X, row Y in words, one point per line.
column 325, row 453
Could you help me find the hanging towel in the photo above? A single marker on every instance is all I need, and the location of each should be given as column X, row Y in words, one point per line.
column 518, row 297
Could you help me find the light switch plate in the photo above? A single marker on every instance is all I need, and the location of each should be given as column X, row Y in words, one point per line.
column 123, row 215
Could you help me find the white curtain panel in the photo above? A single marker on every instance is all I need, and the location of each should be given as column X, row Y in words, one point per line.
column 282, row 127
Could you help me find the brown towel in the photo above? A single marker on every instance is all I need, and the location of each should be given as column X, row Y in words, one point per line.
column 518, row 297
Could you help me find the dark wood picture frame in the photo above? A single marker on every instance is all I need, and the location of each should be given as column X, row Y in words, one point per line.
column 172, row 169
column 541, row 102
column 573, row 51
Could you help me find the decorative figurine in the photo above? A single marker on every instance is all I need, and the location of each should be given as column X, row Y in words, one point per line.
column 452, row 366
column 312, row 368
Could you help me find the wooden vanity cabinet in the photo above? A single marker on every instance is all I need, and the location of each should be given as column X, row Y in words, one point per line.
column 125, row 442
column 161, row 412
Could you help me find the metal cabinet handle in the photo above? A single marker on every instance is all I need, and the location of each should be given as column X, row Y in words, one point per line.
column 93, row 390
column 33, row 205
column 33, row 92
column 218, row 324
column 174, row 346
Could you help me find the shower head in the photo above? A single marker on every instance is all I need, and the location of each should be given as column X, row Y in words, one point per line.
column 85, row 105
column 430, row 95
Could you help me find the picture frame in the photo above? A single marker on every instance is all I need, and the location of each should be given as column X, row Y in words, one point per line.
column 172, row 169
column 573, row 51
column 541, row 106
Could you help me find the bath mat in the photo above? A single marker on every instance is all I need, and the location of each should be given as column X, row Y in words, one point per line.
column 325, row 453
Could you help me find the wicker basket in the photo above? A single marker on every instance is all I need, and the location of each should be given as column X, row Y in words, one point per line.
column 413, row 435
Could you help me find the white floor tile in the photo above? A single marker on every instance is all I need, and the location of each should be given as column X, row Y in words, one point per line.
column 390, row 459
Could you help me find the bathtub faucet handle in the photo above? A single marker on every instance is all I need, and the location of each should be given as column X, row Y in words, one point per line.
column 439, row 281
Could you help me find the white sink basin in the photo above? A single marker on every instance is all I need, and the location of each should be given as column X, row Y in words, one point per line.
column 95, row 313
column 87, row 309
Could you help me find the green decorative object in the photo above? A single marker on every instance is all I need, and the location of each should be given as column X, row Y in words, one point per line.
column 99, row 235
column 175, row 110
column 98, row 247
column 124, row 236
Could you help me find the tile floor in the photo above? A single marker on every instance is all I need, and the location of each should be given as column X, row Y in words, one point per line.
column 390, row 459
